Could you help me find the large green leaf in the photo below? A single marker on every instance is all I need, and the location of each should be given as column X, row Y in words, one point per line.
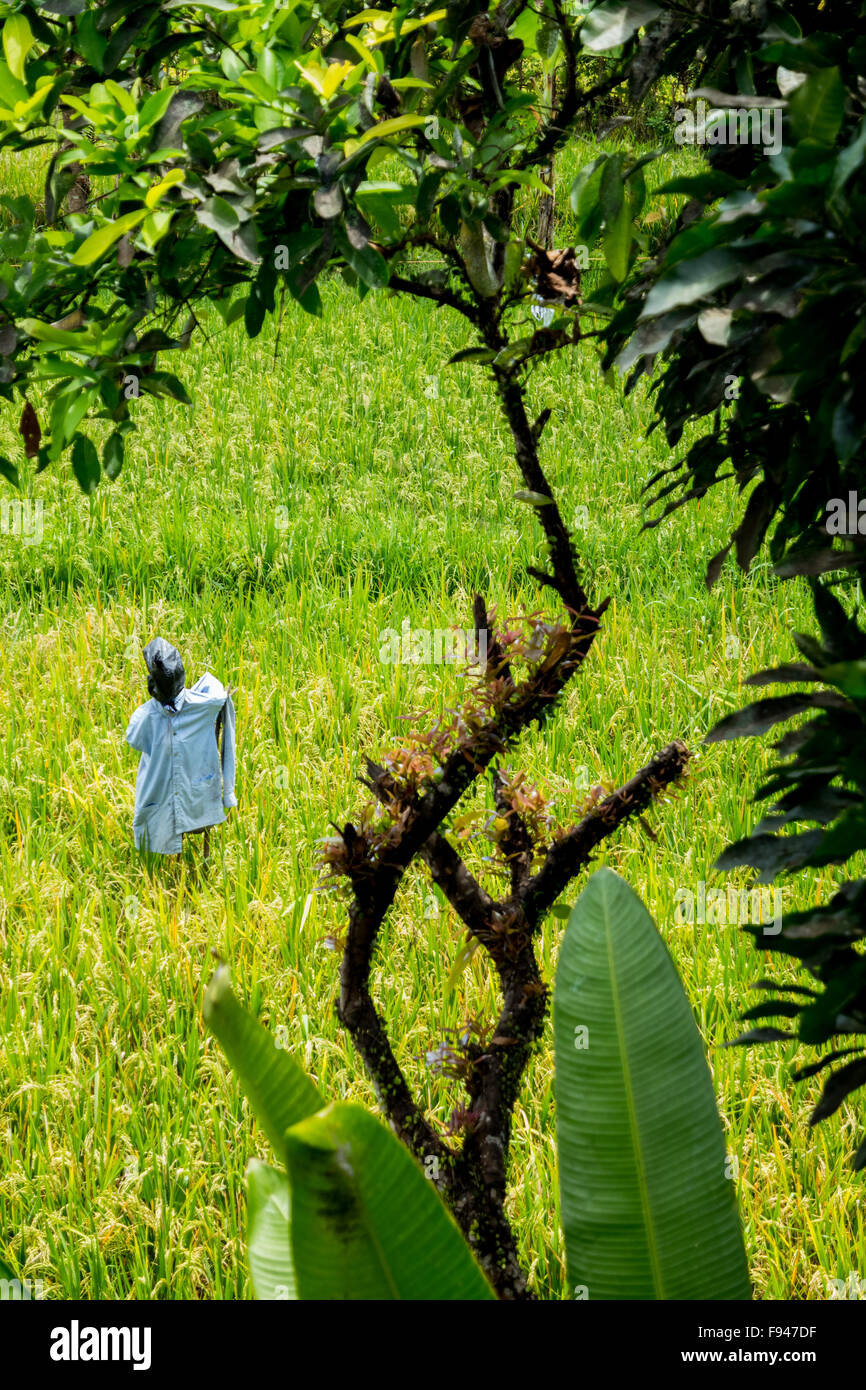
column 85, row 463
column 368, row 264
column 690, row 280
column 617, row 242
column 585, row 198
column 648, row 1207
column 614, row 22
column 17, row 43
column 817, row 107
column 99, row 241
column 268, row 1243
column 366, row 1222
column 279, row 1090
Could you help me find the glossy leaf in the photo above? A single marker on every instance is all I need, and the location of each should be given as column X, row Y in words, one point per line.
column 17, row 43
column 690, row 280
column 817, row 107
column 269, row 1244
column 617, row 242
column 85, row 463
column 368, row 263
column 279, row 1091
column 648, row 1207
column 366, row 1223
column 103, row 238
column 614, row 22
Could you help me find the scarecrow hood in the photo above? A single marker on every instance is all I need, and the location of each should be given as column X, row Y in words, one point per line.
column 165, row 674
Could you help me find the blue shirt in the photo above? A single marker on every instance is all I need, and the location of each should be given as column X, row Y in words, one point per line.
column 182, row 783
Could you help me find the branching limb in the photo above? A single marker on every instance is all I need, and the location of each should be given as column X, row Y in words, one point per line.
column 438, row 293
column 564, row 577
column 473, row 905
column 566, row 857
column 359, row 1015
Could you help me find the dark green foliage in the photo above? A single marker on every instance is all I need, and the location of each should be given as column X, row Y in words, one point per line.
column 820, row 779
column 751, row 318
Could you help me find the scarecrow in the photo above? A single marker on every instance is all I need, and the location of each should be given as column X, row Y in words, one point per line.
column 186, row 738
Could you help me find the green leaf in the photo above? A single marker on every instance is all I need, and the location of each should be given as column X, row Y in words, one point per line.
column 427, row 190
column 279, row 1091
column 391, row 127
column 9, row 471
column 711, row 184
column 11, row 90
column 614, row 22
column 532, row 499
column 46, row 333
column 515, row 254
column 64, row 7
column 268, row 1237
column 254, row 314
column 548, row 39
column 225, row 5
column 85, row 463
column 617, row 242
column 846, row 837
column 847, row 676
column 99, row 241
column 255, row 83
column 219, row 216
column 636, row 193
column 761, row 715
column 17, row 43
column 380, row 212
column 385, row 188
column 155, row 107
column 849, row 160
column 691, row 279
column 328, row 202
column 648, row 1209
column 68, row 409
column 510, row 356
column 112, row 455
column 817, row 107
column 366, row 1222
column 165, row 384
column 309, row 299
column 585, row 198
column 610, row 193
column 368, row 263
column 472, row 355
column 123, row 98
column 525, row 177
column 652, row 337
column 461, row 961
column 88, row 41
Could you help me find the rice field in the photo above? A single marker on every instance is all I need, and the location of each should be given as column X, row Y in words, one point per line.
column 325, row 487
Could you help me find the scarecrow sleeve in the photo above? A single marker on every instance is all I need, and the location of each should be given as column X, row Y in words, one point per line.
column 139, row 731
column 228, row 755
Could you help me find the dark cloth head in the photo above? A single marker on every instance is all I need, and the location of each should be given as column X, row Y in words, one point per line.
column 166, row 676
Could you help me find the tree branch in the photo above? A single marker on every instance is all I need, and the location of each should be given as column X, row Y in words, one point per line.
column 567, row 856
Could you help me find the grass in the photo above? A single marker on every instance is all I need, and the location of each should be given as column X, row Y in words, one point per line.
column 314, row 496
